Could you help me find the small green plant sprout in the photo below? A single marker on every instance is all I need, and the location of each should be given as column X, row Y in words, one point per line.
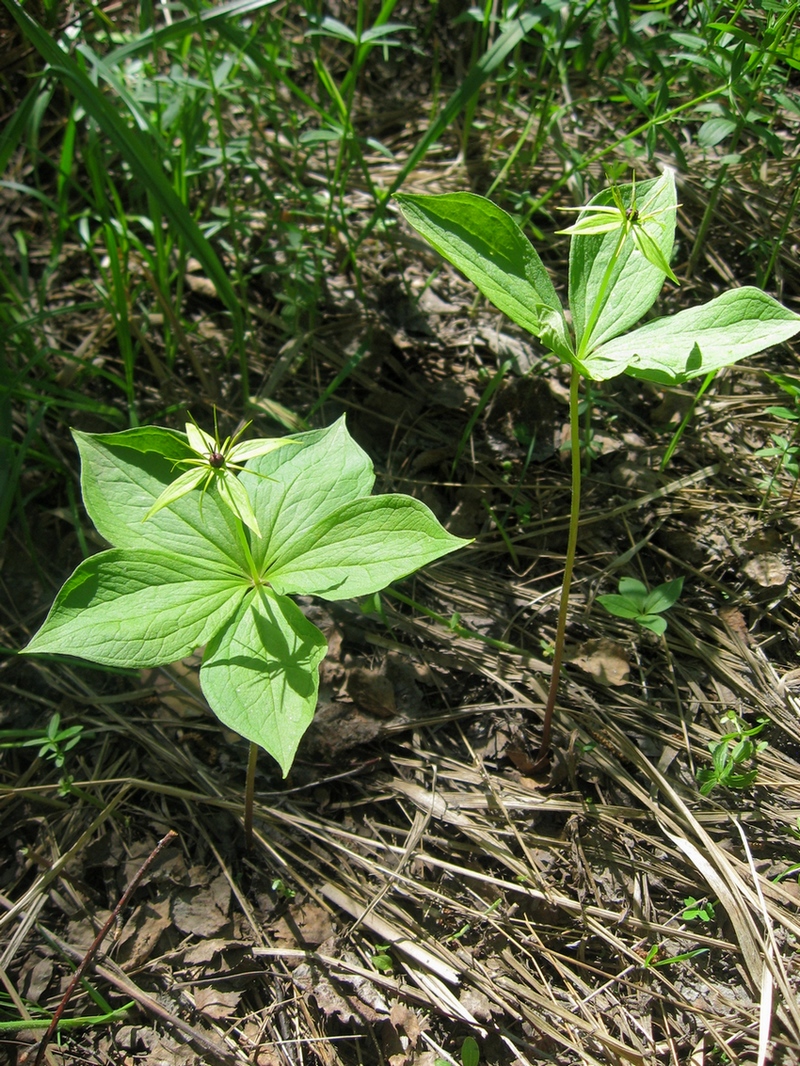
column 216, row 462
column 179, row 578
column 381, row 959
column 785, row 449
column 730, row 755
column 620, row 253
column 470, row 1054
column 698, row 910
column 633, row 600
column 53, row 742
column 283, row 890
column 652, row 959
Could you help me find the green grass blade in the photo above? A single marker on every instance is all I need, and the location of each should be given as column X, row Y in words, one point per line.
column 505, row 43
column 138, row 153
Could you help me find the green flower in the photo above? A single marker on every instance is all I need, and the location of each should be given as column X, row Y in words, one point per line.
column 598, row 219
column 217, row 463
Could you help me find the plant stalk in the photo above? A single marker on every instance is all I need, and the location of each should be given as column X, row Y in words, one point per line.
column 569, row 565
column 249, row 795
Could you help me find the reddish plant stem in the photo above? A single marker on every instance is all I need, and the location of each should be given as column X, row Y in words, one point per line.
column 249, row 796
column 98, row 940
column 569, row 565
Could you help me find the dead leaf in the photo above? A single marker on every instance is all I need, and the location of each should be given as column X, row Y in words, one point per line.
column 604, row 659
column 523, row 420
column 336, row 728
column 205, row 950
column 769, row 570
column 215, row 1003
column 205, row 912
column 735, row 621
column 347, row 1008
column 477, row 1003
column 141, row 933
column 34, row 977
column 371, row 691
column 82, row 931
column 403, row 1017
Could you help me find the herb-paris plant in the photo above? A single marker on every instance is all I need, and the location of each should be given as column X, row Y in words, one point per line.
column 620, row 250
column 192, row 574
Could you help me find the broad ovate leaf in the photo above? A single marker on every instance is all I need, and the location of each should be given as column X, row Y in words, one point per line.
column 260, row 673
column 619, row 605
column 138, row 608
column 663, row 597
column 611, row 285
column 486, row 244
column 292, row 489
column 739, row 323
column 122, row 477
column 360, row 548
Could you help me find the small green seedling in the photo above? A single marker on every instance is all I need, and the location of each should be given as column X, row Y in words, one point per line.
column 620, row 253
column 217, row 568
column 381, row 959
column 730, row 754
column 652, row 959
column 633, row 600
column 470, row 1054
column 280, row 887
column 698, row 909
column 53, row 742
column 786, row 450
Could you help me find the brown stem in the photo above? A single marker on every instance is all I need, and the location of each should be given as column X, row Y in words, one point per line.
column 98, row 940
column 569, row 565
column 249, row 795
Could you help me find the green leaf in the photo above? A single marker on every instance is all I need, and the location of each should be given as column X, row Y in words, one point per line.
column 620, row 606
column 634, row 589
column 486, row 244
column 260, row 673
column 360, row 548
column 739, row 323
column 122, row 477
column 470, row 1053
column 610, row 288
column 663, row 596
column 304, row 485
column 653, row 622
column 138, row 608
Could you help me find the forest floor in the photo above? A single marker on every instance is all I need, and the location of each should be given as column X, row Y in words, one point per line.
column 414, row 883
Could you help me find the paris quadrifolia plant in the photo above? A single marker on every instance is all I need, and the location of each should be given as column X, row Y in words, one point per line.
column 620, row 254
column 211, row 558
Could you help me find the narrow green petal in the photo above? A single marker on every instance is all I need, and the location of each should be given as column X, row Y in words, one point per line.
column 587, row 226
column 181, row 486
column 652, row 253
column 199, row 440
column 251, row 449
column 234, row 495
column 596, row 209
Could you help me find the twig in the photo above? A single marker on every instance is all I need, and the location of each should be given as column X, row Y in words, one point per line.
column 98, row 940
